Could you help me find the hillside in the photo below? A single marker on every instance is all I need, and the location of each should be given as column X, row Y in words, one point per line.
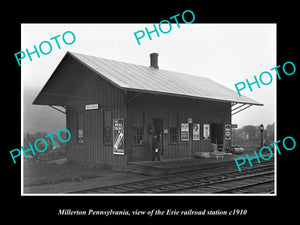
column 37, row 118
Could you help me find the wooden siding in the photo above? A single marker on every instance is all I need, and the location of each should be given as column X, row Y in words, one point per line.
column 76, row 83
column 94, row 90
column 158, row 106
column 130, row 106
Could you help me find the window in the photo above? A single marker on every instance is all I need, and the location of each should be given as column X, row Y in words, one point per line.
column 80, row 128
column 107, row 135
column 107, row 130
column 173, row 134
column 137, row 135
column 138, row 127
column 173, row 128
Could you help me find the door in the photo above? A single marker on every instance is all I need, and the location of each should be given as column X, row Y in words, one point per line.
column 158, row 130
column 217, row 134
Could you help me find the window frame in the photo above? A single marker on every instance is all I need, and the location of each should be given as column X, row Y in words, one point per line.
column 173, row 124
column 135, row 135
column 104, row 128
column 138, row 123
column 171, row 135
column 80, row 128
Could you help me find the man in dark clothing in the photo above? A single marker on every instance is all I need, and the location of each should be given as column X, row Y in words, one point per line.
column 155, row 148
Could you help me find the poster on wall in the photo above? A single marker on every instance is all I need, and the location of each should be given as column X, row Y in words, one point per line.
column 227, row 132
column 206, row 131
column 184, row 131
column 118, row 136
column 196, row 131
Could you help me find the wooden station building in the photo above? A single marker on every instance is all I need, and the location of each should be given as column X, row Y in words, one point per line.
column 113, row 109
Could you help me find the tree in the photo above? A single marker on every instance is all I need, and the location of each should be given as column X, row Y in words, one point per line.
column 269, row 133
column 32, row 137
column 250, row 135
column 251, row 131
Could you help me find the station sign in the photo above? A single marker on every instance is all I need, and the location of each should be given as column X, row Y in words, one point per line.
column 234, row 125
column 91, row 107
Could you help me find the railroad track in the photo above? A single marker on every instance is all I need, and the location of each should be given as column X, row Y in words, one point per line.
column 215, row 180
column 231, row 185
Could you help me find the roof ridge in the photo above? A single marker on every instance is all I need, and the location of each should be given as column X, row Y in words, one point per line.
column 173, row 71
column 143, row 78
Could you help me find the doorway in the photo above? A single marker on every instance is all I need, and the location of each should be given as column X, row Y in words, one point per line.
column 158, row 130
column 217, row 134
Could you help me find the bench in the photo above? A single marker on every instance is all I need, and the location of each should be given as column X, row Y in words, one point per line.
column 218, row 155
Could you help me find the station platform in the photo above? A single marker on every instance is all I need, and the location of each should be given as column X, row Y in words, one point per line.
column 179, row 165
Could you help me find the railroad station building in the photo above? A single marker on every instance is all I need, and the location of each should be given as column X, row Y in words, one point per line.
column 114, row 108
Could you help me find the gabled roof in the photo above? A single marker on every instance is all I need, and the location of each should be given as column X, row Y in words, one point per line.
column 127, row 76
column 147, row 79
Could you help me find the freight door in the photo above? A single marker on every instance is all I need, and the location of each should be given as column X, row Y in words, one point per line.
column 217, row 133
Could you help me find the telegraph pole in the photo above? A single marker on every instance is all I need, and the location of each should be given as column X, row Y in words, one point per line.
column 261, row 135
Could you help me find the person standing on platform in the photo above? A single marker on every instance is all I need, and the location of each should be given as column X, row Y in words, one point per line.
column 155, row 147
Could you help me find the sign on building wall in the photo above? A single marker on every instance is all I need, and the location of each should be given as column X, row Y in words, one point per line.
column 91, row 107
column 184, row 132
column 206, row 131
column 118, row 136
column 227, row 132
column 196, row 131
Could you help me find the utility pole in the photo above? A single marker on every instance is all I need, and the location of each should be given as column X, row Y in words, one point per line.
column 261, row 135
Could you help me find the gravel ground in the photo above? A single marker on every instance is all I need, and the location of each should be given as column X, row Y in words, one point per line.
column 61, row 177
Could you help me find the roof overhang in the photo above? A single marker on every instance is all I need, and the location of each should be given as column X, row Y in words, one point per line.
column 233, row 102
column 62, row 87
column 237, row 107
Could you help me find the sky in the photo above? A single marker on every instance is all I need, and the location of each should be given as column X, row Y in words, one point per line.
column 225, row 53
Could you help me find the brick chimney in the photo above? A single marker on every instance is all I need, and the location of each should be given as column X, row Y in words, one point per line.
column 154, row 60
